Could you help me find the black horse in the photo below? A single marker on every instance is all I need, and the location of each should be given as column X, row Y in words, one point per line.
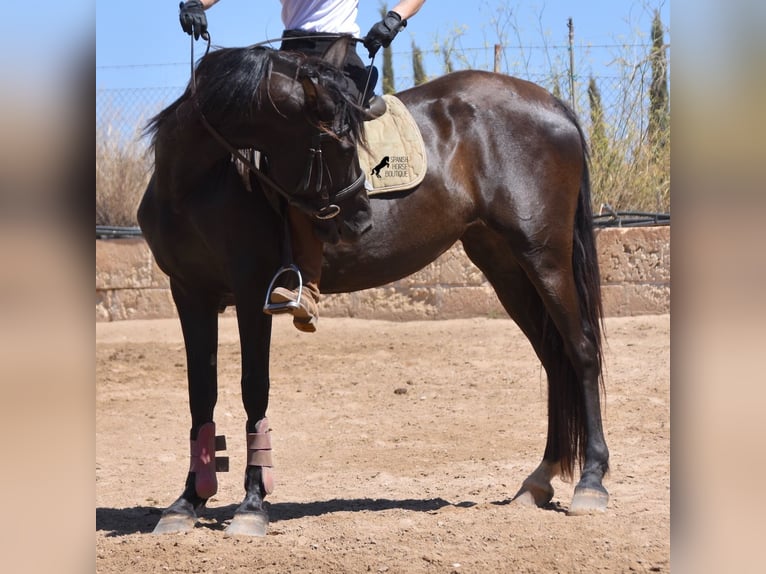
column 508, row 177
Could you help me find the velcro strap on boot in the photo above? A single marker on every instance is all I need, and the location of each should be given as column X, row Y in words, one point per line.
column 259, row 458
column 259, row 453
column 221, row 462
column 258, row 441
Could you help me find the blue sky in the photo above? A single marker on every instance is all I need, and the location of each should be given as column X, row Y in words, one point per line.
column 141, row 45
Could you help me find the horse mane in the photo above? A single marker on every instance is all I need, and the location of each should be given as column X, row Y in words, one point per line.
column 228, row 81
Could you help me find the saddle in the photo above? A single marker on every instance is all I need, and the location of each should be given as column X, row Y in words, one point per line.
column 395, row 158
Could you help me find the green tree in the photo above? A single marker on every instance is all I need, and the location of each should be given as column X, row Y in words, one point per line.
column 418, row 71
column 659, row 109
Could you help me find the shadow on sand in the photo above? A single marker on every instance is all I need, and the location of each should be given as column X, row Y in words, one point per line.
column 142, row 519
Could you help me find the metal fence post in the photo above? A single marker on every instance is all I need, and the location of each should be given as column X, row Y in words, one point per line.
column 572, row 97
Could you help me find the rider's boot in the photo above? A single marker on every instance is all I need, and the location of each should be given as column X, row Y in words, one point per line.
column 307, row 255
column 306, row 314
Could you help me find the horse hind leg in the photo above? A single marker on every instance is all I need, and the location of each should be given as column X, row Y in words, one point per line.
column 571, row 354
column 491, row 253
column 521, row 298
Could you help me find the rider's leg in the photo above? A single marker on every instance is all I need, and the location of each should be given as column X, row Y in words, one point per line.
column 307, row 255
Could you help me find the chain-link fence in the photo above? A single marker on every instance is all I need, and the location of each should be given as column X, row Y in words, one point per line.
column 122, row 113
column 616, row 78
column 622, row 73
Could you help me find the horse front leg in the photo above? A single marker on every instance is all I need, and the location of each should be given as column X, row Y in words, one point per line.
column 251, row 517
column 198, row 314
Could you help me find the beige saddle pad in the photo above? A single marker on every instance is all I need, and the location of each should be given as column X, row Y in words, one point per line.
column 396, row 159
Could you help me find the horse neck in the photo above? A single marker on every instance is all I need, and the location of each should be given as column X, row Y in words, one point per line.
column 184, row 160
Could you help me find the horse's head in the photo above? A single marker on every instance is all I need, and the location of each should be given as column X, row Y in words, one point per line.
column 315, row 152
column 302, row 114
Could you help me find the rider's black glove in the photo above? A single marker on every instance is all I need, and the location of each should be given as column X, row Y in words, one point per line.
column 193, row 19
column 382, row 33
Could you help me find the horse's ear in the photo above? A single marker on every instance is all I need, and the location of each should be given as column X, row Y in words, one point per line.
column 337, row 52
column 318, row 100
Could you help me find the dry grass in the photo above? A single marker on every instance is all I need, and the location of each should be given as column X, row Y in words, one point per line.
column 631, row 174
column 122, row 172
column 631, row 170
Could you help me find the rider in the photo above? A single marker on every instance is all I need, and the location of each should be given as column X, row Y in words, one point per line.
column 314, row 18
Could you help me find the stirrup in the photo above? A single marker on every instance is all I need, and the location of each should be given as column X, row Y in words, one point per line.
column 275, row 308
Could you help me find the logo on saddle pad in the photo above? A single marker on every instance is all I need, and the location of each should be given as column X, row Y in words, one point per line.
column 383, row 163
column 398, row 166
column 394, row 156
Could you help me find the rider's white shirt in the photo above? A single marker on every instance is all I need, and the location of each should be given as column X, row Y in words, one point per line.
column 331, row 16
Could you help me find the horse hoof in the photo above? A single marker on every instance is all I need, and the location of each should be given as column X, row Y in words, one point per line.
column 532, row 495
column 248, row 524
column 173, row 523
column 588, row 501
column 524, row 498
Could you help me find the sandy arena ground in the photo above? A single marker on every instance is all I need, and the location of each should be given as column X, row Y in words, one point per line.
column 397, row 449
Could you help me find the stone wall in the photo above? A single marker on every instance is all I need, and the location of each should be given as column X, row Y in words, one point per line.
column 635, row 273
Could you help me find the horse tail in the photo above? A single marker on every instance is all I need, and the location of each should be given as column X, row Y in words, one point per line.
column 566, row 409
column 585, row 256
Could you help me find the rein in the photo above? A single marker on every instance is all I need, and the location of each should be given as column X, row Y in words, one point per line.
column 330, row 210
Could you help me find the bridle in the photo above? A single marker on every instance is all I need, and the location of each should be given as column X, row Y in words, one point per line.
column 314, row 168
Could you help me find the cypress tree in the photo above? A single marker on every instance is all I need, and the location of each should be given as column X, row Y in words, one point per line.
column 388, row 60
column 659, row 109
column 418, row 71
column 598, row 139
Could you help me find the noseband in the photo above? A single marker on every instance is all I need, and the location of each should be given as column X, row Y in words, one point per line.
column 315, row 164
